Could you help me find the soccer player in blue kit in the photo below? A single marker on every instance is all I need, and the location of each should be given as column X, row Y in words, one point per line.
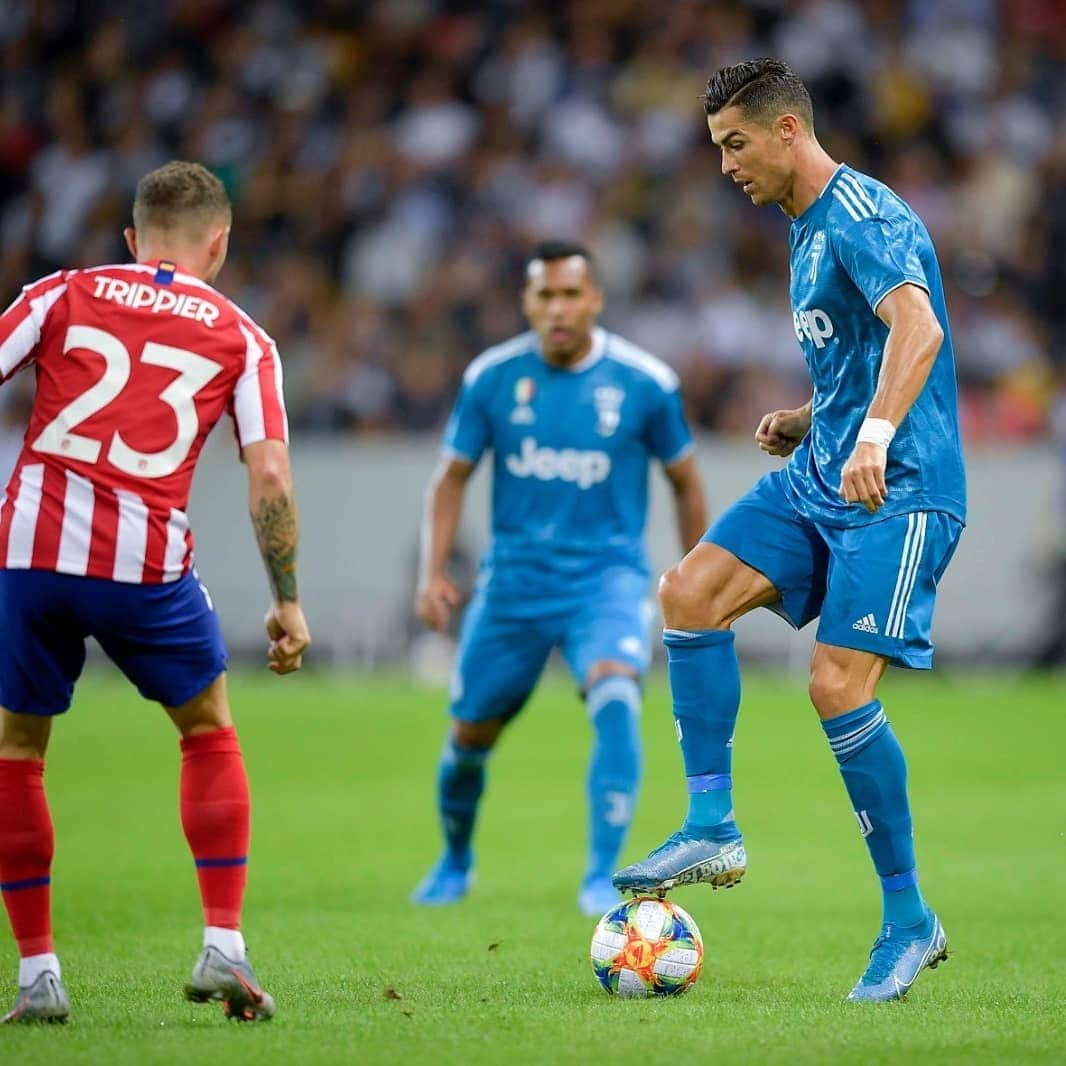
column 573, row 415
column 857, row 528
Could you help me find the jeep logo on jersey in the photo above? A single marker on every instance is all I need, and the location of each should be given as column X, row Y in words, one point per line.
column 815, row 325
column 584, row 469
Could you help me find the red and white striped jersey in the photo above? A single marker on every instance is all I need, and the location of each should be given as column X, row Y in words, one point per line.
column 135, row 364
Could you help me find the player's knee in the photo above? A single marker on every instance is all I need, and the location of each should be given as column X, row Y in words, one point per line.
column 206, row 711
column 620, row 686
column 843, row 680
column 675, row 593
column 831, row 689
column 686, row 604
column 609, row 668
column 477, row 734
column 23, row 736
column 613, row 706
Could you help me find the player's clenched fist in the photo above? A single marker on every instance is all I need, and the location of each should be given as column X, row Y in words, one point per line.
column 780, row 432
column 435, row 600
column 863, row 478
column 289, row 637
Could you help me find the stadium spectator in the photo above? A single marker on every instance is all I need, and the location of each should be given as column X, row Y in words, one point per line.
column 372, row 143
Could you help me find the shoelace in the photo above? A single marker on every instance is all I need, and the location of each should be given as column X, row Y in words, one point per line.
column 674, row 838
column 884, row 955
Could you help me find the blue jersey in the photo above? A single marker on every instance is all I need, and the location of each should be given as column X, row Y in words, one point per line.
column 855, row 244
column 571, row 449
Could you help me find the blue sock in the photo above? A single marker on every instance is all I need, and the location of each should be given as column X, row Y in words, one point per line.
column 875, row 775
column 613, row 705
column 460, row 782
column 705, row 683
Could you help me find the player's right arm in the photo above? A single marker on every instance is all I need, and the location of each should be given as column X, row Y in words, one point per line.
column 467, row 435
column 780, row 432
column 437, row 596
column 277, row 531
column 22, row 322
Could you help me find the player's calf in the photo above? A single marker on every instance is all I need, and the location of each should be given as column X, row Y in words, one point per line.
column 613, row 703
column 27, row 844
column 215, row 815
column 460, row 784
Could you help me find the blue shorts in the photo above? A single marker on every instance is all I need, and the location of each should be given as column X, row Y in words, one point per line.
column 874, row 585
column 165, row 638
column 500, row 657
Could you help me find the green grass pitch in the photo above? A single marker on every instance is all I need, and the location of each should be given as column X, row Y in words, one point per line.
column 342, row 773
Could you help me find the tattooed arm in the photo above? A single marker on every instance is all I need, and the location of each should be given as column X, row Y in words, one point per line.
column 277, row 530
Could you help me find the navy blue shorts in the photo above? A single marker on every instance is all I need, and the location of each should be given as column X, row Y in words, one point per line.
column 874, row 585
column 500, row 657
column 165, row 638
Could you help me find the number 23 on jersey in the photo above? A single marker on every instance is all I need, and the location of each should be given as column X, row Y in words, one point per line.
column 194, row 372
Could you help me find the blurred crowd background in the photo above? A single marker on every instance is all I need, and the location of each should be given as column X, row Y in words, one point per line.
column 391, row 163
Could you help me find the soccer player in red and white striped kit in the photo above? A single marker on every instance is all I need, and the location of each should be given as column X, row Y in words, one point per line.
column 135, row 364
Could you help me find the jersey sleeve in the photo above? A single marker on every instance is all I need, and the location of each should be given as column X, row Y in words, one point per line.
column 880, row 254
column 22, row 322
column 667, row 433
column 469, row 428
column 258, row 404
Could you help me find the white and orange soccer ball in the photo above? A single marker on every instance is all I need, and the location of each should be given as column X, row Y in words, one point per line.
column 647, row 947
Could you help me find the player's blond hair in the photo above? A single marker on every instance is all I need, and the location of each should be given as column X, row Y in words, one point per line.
column 180, row 195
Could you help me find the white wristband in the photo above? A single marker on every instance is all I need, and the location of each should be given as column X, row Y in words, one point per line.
column 876, row 431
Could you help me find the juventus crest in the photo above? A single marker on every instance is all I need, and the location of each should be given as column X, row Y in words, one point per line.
column 608, row 400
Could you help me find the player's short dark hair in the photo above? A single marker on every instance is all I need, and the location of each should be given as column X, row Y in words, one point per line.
column 762, row 88
column 179, row 194
column 550, row 250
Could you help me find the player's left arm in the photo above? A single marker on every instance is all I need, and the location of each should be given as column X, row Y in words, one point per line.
column 670, row 440
column 275, row 519
column 914, row 340
column 690, row 503
column 257, row 406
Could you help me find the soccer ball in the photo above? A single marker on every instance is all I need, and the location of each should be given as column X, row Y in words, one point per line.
column 647, row 947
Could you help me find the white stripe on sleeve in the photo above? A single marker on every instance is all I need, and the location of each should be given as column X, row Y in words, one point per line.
column 18, row 345
column 847, row 206
column 247, row 397
column 860, row 192
column 848, row 193
column 27, row 333
column 278, row 388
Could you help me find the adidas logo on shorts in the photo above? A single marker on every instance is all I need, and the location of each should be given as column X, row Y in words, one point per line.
column 868, row 624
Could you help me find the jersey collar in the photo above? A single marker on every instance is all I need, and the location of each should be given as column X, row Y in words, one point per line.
column 821, row 199
column 170, row 264
column 599, row 343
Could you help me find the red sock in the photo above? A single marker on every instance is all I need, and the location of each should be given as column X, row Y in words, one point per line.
column 215, row 813
column 27, row 843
